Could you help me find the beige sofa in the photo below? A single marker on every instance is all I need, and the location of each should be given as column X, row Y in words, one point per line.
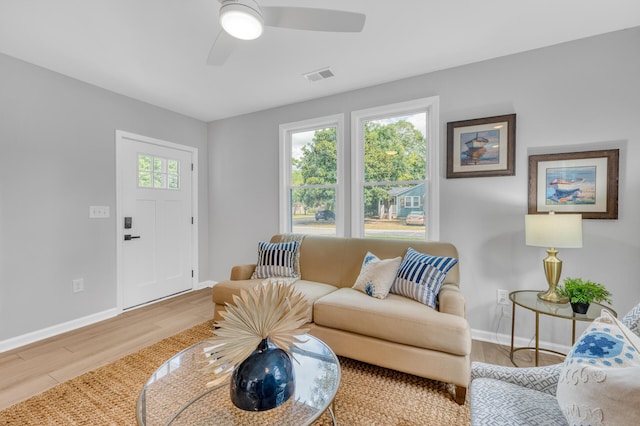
column 395, row 332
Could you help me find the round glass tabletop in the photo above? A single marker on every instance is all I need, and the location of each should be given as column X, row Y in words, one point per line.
column 529, row 299
column 177, row 394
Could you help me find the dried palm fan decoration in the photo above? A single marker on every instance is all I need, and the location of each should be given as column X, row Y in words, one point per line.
column 273, row 310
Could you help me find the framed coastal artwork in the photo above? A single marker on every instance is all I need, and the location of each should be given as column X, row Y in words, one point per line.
column 577, row 182
column 482, row 147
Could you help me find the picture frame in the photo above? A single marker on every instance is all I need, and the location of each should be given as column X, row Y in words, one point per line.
column 577, row 182
column 482, row 147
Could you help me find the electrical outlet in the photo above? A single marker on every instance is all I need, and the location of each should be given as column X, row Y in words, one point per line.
column 77, row 285
column 502, row 297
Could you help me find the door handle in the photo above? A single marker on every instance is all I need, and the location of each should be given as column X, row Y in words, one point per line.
column 128, row 237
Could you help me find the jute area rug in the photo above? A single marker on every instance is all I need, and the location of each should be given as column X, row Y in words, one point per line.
column 368, row 395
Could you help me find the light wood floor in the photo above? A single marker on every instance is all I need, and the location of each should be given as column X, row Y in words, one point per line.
column 34, row 368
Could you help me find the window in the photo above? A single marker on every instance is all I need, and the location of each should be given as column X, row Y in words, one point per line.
column 158, row 172
column 310, row 176
column 394, row 170
column 412, row 201
column 393, row 173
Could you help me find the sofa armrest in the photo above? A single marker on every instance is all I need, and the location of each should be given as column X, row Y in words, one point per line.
column 542, row 379
column 451, row 300
column 242, row 272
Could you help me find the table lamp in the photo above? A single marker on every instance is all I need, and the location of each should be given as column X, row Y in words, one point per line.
column 553, row 231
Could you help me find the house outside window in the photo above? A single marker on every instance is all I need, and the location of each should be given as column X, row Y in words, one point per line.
column 395, row 170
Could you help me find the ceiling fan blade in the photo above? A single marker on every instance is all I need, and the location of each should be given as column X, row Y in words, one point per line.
column 302, row 18
column 221, row 49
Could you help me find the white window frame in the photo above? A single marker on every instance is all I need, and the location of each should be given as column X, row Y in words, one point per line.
column 431, row 106
column 286, row 130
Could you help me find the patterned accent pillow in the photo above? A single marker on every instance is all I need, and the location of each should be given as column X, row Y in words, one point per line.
column 376, row 276
column 599, row 382
column 287, row 238
column 420, row 276
column 276, row 260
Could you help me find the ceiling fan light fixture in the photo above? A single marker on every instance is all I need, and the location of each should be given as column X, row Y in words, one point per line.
column 241, row 19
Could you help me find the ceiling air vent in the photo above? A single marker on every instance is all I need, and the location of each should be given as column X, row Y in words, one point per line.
column 319, row 74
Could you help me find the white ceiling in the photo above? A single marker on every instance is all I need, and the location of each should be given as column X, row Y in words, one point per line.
column 156, row 50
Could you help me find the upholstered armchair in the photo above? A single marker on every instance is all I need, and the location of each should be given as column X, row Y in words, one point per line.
column 522, row 396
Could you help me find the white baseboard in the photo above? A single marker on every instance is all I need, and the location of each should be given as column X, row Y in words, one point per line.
column 205, row 284
column 505, row 339
column 34, row 336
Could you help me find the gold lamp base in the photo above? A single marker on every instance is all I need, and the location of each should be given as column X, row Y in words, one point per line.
column 552, row 296
column 552, row 270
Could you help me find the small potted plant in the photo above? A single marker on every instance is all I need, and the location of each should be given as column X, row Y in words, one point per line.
column 581, row 293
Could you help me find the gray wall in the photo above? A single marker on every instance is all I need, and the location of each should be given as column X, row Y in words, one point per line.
column 575, row 96
column 57, row 157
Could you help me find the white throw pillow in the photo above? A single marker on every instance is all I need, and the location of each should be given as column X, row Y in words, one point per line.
column 377, row 276
column 599, row 383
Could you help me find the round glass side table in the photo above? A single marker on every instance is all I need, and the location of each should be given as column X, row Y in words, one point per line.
column 528, row 299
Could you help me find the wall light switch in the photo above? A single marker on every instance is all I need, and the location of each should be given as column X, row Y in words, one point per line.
column 98, row 212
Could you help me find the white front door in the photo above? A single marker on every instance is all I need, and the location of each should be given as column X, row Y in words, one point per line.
column 155, row 219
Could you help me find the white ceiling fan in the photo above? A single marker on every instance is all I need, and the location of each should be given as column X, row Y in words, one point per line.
column 245, row 20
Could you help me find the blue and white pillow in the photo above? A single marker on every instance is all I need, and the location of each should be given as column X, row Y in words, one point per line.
column 376, row 275
column 276, row 260
column 600, row 375
column 420, row 276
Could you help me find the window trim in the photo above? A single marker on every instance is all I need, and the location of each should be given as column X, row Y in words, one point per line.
column 430, row 105
column 285, row 132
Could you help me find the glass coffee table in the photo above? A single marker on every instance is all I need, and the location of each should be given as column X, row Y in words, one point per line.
column 176, row 394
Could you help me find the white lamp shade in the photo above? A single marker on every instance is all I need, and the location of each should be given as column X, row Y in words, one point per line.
column 242, row 19
column 553, row 230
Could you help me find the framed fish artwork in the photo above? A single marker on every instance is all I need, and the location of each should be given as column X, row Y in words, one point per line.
column 578, row 182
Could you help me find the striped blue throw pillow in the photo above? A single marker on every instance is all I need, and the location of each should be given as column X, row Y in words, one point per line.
column 276, row 260
column 420, row 276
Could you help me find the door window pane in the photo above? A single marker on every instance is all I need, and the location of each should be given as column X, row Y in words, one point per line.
column 158, row 172
column 144, row 179
column 159, row 165
column 159, row 180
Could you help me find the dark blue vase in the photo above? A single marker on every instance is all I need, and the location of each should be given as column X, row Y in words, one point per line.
column 264, row 380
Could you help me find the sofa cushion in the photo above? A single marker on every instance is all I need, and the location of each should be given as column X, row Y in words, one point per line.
column 223, row 292
column 599, row 382
column 395, row 319
column 420, row 276
column 276, row 260
column 376, row 275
